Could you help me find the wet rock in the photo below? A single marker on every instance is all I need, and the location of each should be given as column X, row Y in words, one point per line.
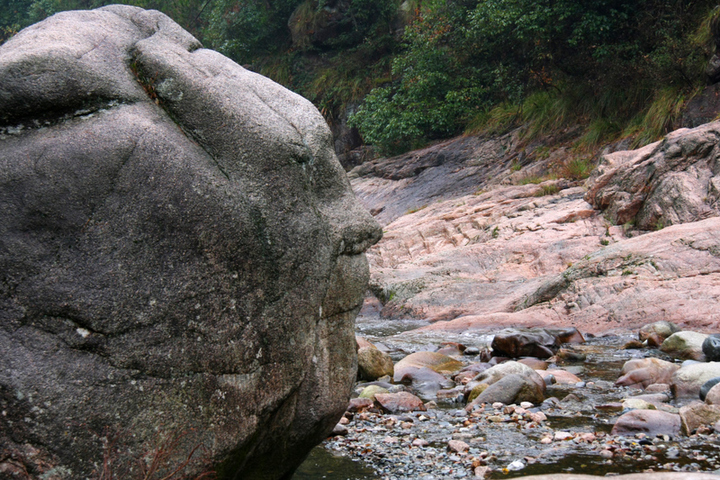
column 359, row 404
column 569, row 355
column 525, row 343
column 562, row 377
column 567, row 335
column 373, row 364
column 534, row 363
column 649, row 422
column 712, row 395
column 339, row 430
column 497, row 372
column 711, row 348
column 659, row 388
column 707, row 386
column 471, row 351
column 686, row 345
column 510, row 389
column 697, row 414
column 640, row 373
column 633, row 344
column 452, row 348
column 437, row 362
column 658, row 330
column 610, row 407
column 399, row 402
column 687, row 381
column 372, row 390
column 637, row 404
column 475, row 391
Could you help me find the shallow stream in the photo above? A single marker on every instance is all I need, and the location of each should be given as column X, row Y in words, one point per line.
column 378, row 448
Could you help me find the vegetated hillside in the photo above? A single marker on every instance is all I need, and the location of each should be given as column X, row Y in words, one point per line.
column 407, row 73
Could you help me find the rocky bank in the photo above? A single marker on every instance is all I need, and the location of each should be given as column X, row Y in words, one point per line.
column 492, row 231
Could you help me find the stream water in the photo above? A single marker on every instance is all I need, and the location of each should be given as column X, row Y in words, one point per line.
column 500, row 445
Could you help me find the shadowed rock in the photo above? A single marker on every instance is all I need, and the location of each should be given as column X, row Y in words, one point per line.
column 179, row 252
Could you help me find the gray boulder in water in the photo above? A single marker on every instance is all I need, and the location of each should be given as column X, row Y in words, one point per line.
column 181, row 256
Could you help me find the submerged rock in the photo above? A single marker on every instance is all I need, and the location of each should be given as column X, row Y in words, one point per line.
column 180, row 251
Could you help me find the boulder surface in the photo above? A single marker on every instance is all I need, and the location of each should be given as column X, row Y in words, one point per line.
column 181, row 255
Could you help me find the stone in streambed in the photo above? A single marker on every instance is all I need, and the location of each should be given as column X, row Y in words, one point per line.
column 399, row 402
column 525, row 343
column 497, row 372
column 562, row 377
column 436, row 362
column 685, row 345
column 709, row 394
column 658, row 330
column 711, row 347
column 688, row 380
column 372, row 390
column 374, row 364
column 641, row 373
column 510, row 389
column 649, row 422
column 697, row 414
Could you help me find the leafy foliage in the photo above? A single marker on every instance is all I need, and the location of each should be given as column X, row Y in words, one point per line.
column 422, row 70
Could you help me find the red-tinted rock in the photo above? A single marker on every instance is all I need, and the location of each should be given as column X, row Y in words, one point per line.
column 649, row 422
column 359, row 404
column 640, row 373
column 399, row 402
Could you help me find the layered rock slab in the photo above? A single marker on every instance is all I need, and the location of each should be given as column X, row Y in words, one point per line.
column 180, row 253
column 524, row 256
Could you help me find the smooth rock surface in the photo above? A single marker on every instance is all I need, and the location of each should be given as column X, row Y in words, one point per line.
column 649, row 422
column 180, row 251
column 525, row 343
column 510, row 389
column 643, row 372
column 399, row 402
column 687, row 381
column 697, row 414
column 658, row 330
column 373, row 364
column 711, row 348
column 686, row 345
column 511, row 256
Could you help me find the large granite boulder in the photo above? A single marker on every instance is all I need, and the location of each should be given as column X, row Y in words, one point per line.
column 181, row 255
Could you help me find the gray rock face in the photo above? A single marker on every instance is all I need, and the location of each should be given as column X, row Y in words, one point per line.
column 180, row 253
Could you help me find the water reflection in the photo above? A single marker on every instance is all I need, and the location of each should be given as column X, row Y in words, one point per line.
column 322, row 464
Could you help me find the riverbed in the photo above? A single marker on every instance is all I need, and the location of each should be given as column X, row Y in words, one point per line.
column 575, row 437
